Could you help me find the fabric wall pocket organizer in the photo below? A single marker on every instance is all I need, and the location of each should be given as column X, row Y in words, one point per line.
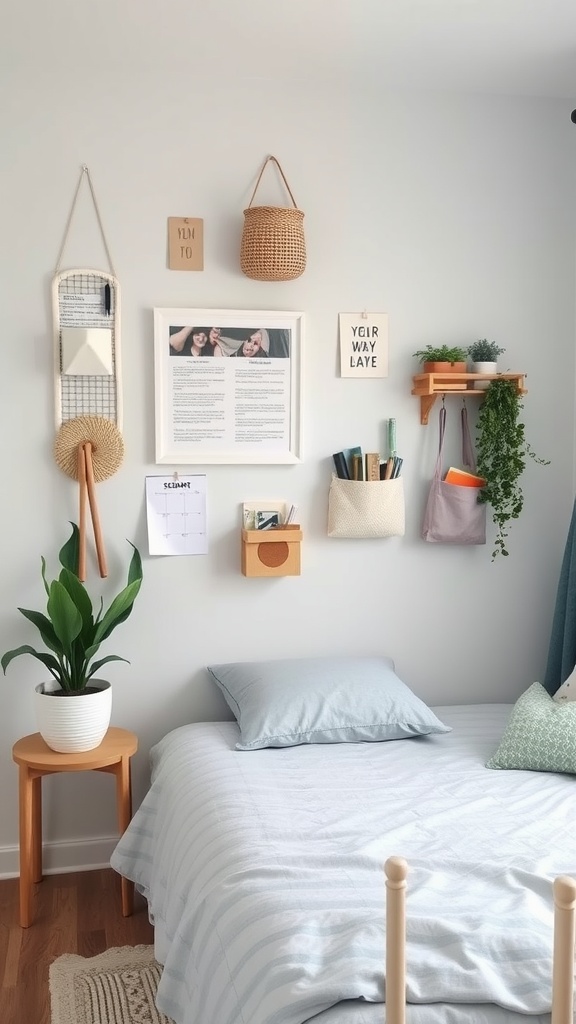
column 453, row 513
column 366, row 508
column 273, row 246
column 88, row 400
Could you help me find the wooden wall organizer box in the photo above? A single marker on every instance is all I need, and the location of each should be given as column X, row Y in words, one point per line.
column 272, row 552
column 429, row 385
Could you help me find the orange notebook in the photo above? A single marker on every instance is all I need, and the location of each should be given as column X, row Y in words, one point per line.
column 463, row 479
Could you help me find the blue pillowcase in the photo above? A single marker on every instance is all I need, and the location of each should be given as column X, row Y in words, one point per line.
column 321, row 700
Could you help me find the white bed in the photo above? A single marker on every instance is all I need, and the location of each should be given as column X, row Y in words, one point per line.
column 263, row 871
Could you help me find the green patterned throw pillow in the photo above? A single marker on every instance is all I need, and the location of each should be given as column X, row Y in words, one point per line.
column 540, row 736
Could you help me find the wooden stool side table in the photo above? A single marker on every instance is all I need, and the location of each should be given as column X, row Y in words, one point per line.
column 35, row 760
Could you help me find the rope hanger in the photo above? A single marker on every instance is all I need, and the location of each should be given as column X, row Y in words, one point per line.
column 84, row 173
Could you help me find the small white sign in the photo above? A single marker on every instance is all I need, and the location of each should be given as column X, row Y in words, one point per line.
column 176, row 514
column 363, row 344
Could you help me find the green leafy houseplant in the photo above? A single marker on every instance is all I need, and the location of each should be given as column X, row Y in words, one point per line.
column 441, row 354
column 484, row 351
column 501, row 452
column 70, row 629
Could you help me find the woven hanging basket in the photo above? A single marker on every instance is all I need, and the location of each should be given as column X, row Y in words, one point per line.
column 273, row 245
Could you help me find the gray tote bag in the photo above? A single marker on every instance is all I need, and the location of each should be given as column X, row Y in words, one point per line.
column 453, row 514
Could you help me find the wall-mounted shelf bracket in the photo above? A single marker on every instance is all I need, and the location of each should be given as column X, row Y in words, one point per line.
column 427, row 386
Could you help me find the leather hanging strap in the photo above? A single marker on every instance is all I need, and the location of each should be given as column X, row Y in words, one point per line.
column 266, row 162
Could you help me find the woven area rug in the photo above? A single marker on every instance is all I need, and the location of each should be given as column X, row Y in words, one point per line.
column 115, row 987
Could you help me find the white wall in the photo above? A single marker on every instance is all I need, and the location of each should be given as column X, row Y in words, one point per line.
column 455, row 215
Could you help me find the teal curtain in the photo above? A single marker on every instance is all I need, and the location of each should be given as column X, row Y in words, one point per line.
column 562, row 650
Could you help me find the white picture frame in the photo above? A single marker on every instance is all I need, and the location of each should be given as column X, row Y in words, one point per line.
column 243, row 405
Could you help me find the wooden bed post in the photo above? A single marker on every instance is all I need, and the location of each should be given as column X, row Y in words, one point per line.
column 396, row 870
column 563, row 960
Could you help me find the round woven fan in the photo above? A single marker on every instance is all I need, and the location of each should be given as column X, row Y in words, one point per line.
column 105, row 438
column 89, row 449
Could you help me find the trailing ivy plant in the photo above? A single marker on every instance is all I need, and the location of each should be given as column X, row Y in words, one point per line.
column 501, row 451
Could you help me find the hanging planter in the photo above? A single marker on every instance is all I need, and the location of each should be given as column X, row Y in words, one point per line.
column 501, row 451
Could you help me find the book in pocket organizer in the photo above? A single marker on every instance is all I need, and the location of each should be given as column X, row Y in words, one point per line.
column 366, row 508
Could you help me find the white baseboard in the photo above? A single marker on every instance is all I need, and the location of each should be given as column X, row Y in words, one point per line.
column 57, row 858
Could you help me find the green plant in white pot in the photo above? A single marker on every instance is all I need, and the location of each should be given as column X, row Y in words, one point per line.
column 74, row 708
column 484, row 355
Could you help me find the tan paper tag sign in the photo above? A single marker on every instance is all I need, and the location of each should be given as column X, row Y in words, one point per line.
column 185, row 243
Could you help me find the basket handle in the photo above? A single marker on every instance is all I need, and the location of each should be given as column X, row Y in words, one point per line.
column 267, row 160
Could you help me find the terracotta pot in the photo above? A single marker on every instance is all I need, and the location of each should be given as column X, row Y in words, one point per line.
column 444, row 367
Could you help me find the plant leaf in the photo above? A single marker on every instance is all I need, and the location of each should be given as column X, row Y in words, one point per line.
column 66, row 618
column 70, row 552
column 135, row 567
column 44, row 580
column 118, row 611
column 44, row 627
column 98, row 664
column 47, row 659
column 81, row 599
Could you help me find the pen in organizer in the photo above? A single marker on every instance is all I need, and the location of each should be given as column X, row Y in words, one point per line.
column 394, row 461
column 391, row 463
column 392, row 437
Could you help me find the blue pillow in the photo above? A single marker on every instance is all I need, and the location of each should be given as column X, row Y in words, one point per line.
column 321, row 700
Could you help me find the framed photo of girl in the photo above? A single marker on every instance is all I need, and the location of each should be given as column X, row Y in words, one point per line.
column 229, row 393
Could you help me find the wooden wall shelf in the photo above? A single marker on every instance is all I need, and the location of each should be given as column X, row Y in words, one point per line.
column 427, row 386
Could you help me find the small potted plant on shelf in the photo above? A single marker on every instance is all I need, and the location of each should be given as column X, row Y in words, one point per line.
column 501, row 452
column 74, row 708
column 442, row 359
column 484, row 355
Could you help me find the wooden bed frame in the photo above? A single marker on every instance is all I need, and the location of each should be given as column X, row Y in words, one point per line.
column 564, row 889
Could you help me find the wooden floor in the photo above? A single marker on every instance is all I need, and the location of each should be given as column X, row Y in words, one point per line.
column 73, row 913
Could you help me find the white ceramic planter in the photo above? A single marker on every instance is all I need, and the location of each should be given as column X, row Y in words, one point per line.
column 481, row 385
column 75, row 723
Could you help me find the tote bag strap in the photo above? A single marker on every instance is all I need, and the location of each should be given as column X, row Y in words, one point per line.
column 468, row 457
column 441, row 432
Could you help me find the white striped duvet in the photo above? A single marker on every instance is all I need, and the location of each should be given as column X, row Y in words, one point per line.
column 264, row 875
